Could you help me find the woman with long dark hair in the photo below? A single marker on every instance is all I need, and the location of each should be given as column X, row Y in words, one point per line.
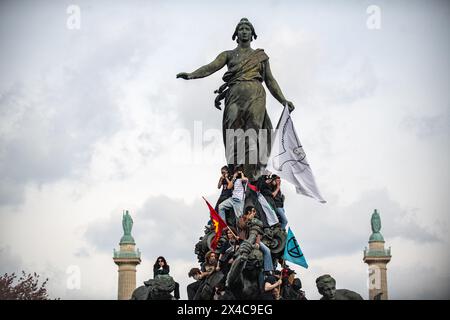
column 161, row 268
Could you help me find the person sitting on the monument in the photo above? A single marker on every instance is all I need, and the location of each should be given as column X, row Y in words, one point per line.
column 225, row 182
column 237, row 199
column 326, row 285
column 161, row 268
column 276, row 294
column 270, row 283
column 264, row 184
column 210, row 264
column 249, row 214
column 285, row 270
column 227, row 251
column 206, row 289
column 192, row 288
column 297, row 287
column 278, row 198
column 288, row 291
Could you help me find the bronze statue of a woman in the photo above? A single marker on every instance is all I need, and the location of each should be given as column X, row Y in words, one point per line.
column 245, row 97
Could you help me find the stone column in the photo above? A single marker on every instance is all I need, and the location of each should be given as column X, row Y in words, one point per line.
column 127, row 258
column 377, row 257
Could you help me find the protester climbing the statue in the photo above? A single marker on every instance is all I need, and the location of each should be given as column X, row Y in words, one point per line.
column 264, row 184
column 226, row 184
column 203, row 289
column 162, row 268
column 297, row 286
column 210, row 264
column 193, row 287
column 249, row 214
column 227, row 251
column 278, row 198
column 237, row 199
column 268, row 214
column 288, row 291
column 270, row 283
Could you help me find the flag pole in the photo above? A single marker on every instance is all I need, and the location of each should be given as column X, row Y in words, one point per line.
column 281, row 285
column 232, row 232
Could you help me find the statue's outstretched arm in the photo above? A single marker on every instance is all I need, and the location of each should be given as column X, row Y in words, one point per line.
column 206, row 70
column 274, row 88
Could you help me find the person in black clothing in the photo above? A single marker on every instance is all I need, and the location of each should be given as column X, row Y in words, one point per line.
column 270, row 283
column 278, row 198
column 161, row 268
column 227, row 251
column 297, row 286
column 226, row 184
column 291, row 287
column 264, row 184
column 194, row 286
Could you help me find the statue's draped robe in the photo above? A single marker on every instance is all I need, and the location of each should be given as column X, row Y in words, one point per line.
column 245, row 108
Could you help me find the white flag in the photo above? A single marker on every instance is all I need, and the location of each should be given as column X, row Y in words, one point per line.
column 288, row 159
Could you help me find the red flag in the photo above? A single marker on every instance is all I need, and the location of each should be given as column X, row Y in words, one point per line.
column 217, row 223
column 252, row 187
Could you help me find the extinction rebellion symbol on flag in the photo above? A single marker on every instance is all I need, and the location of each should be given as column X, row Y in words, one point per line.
column 292, row 251
column 294, row 248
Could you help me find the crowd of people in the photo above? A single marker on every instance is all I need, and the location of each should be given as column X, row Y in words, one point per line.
column 275, row 284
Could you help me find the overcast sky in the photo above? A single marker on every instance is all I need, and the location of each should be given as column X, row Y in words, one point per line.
column 93, row 122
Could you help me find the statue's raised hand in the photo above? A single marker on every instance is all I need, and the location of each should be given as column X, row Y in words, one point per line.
column 184, row 75
column 245, row 248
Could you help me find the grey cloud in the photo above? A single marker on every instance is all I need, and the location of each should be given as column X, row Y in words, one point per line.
column 10, row 262
column 423, row 283
column 327, row 230
column 51, row 121
column 54, row 132
column 169, row 227
column 162, row 226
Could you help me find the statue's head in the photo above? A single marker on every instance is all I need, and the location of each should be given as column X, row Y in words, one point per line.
column 244, row 31
column 161, row 287
column 326, row 285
